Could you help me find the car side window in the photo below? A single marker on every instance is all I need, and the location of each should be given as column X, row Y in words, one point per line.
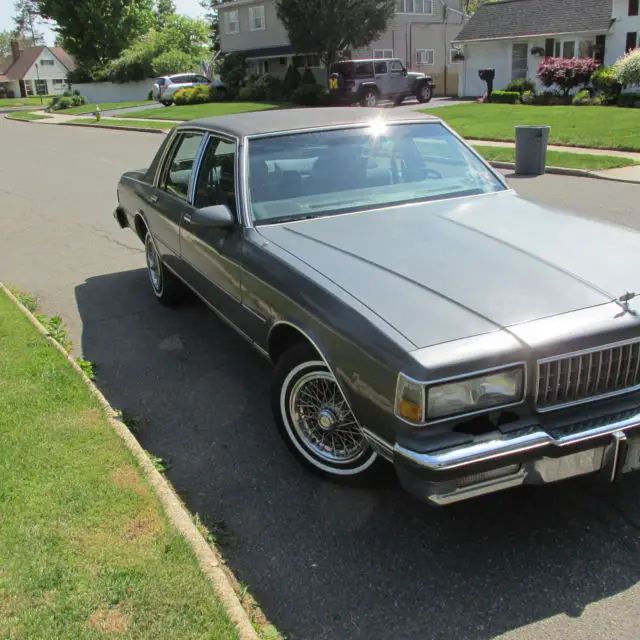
column 177, row 172
column 216, row 183
column 202, row 79
column 364, row 70
column 396, row 67
column 380, row 68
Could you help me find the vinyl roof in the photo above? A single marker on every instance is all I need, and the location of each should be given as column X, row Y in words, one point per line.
column 287, row 120
column 514, row 18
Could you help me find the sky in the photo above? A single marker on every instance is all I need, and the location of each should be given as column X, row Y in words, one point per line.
column 190, row 8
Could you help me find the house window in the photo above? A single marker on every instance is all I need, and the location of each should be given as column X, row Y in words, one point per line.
column 383, row 53
column 424, row 7
column 549, row 47
column 232, row 22
column 633, row 7
column 601, row 43
column 586, row 49
column 520, row 61
column 632, row 38
column 58, row 83
column 256, row 18
column 425, row 56
column 46, row 63
column 41, row 87
column 28, row 87
column 452, row 54
column 565, row 49
column 258, row 67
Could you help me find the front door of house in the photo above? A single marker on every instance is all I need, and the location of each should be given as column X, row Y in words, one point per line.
column 520, row 61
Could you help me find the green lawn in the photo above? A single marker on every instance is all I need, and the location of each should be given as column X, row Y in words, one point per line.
column 85, row 549
column 26, row 115
column 191, row 112
column 566, row 159
column 104, row 106
column 130, row 124
column 596, row 127
column 24, row 102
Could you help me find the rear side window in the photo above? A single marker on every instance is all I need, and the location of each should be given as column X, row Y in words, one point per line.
column 345, row 69
column 380, row 68
column 202, row 79
column 364, row 69
column 182, row 79
column 160, row 81
column 177, row 172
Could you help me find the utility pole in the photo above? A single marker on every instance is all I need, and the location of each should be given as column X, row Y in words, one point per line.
column 33, row 39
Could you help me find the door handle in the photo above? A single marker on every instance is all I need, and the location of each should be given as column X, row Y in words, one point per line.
column 186, row 218
column 153, row 199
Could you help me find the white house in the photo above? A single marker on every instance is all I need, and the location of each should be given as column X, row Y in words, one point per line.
column 514, row 35
column 34, row 71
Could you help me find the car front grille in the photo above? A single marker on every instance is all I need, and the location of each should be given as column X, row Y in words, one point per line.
column 582, row 377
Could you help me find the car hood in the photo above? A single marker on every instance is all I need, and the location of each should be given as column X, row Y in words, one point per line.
column 451, row 269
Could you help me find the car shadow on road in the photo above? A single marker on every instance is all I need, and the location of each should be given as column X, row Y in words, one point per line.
column 324, row 561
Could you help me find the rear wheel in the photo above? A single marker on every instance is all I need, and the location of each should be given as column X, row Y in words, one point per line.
column 166, row 103
column 167, row 289
column 369, row 98
column 315, row 421
column 425, row 93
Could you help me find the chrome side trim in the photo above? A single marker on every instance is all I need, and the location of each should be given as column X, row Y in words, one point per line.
column 509, row 445
column 378, row 444
column 222, row 317
column 575, row 354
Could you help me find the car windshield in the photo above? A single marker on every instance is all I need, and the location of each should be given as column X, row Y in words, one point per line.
column 327, row 172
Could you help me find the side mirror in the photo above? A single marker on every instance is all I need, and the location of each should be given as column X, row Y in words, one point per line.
column 217, row 216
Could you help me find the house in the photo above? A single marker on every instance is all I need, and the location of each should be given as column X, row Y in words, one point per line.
column 512, row 37
column 420, row 34
column 34, row 71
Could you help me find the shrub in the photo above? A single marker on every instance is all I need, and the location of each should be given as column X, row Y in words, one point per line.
column 311, row 95
column 195, row 95
column 264, row 87
column 183, row 96
column 627, row 68
column 308, row 77
column 528, row 97
column 233, row 70
column 150, row 95
column 521, row 85
column 605, row 83
column 582, row 98
column 566, row 73
column 78, row 100
column 65, row 102
column 629, row 100
column 292, row 80
column 251, row 93
column 505, row 97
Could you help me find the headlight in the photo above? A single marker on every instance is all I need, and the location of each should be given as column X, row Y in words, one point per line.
column 474, row 394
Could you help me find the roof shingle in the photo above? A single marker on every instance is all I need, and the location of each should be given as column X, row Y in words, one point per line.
column 513, row 18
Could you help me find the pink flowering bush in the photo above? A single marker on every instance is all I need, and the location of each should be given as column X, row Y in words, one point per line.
column 566, row 73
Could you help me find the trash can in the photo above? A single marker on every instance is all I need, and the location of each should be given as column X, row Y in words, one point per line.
column 531, row 150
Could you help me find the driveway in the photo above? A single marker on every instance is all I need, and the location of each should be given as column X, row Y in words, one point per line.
column 324, row 562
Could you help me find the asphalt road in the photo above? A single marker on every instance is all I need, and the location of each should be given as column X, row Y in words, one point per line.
column 324, row 562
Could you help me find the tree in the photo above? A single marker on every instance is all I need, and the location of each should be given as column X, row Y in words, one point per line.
column 627, row 68
column 26, row 20
column 566, row 73
column 471, row 6
column 329, row 27
column 179, row 46
column 96, row 31
column 164, row 9
column 213, row 19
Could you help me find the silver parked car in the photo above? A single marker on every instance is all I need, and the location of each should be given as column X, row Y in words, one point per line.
column 165, row 87
column 416, row 310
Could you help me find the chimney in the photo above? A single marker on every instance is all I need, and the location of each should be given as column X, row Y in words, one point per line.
column 15, row 50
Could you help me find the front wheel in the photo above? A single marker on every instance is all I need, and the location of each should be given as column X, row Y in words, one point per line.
column 315, row 421
column 369, row 98
column 425, row 93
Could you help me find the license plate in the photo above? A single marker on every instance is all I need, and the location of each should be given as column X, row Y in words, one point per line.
column 632, row 460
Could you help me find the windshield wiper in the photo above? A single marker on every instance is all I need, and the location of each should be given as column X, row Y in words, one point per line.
column 292, row 218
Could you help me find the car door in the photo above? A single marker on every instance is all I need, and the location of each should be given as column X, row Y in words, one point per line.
column 170, row 200
column 210, row 255
column 382, row 78
column 397, row 78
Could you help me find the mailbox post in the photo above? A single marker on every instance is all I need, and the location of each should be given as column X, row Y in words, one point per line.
column 488, row 76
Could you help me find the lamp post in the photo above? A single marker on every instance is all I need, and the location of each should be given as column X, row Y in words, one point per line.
column 38, row 84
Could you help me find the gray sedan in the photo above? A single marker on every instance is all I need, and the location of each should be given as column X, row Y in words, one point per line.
column 416, row 310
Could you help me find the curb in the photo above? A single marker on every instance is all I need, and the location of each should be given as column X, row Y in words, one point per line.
column 576, row 173
column 208, row 558
column 117, row 128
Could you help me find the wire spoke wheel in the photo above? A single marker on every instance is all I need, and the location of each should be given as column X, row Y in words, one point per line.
column 154, row 267
column 322, row 419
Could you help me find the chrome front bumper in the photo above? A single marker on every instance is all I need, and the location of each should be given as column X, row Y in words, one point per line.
column 610, row 445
